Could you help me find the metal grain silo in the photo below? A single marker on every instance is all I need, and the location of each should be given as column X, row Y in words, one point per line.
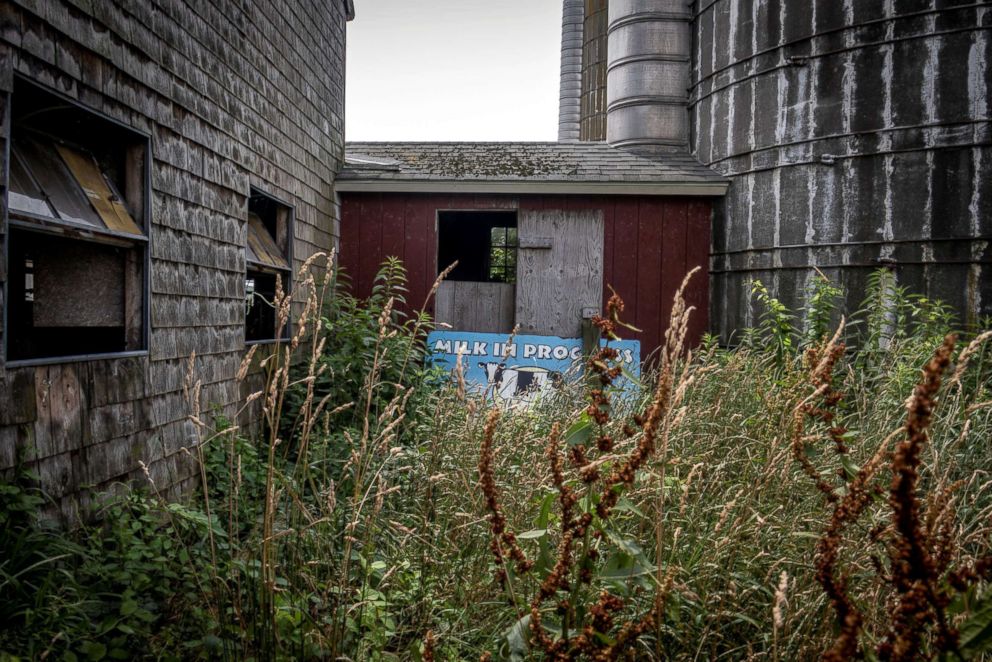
column 648, row 75
column 570, row 91
column 857, row 135
column 592, row 122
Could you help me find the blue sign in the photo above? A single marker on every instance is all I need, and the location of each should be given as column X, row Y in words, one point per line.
column 518, row 369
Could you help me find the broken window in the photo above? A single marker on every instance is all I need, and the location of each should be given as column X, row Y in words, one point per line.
column 76, row 239
column 268, row 258
column 483, row 242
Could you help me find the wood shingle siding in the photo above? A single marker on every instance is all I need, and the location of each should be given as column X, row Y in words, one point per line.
column 232, row 94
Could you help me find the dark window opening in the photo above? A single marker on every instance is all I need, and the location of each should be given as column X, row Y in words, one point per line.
column 68, row 297
column 268, row 257
column 483, row 243
column 77, row 200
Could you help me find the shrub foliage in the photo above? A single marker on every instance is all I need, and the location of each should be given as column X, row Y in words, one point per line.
column 822, row 489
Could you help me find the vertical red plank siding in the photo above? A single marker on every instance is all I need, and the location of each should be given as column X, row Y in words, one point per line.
column 648, row 245
column 428, row 215
column 418, row 213
column 624, row 276
column 673, row 254
column 393, row 230
column 648, row 304
column 697, row 253
column 370, row 243
column 348, row 242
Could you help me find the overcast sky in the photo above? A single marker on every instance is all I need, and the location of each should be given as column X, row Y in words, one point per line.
column 453, row 70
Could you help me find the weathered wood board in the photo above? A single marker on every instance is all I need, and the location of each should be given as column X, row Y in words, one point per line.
column 482, row 307
column 554, row 284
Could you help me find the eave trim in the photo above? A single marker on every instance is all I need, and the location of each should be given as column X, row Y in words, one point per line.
column 547, row 188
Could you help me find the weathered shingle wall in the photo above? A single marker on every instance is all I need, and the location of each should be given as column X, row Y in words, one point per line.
column 234, row 94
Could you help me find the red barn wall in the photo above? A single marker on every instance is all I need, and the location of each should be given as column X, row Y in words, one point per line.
column 649, row 244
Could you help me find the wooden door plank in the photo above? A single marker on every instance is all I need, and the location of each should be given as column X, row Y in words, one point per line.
column 554, row 285
column 479, row 307
column 445, row 303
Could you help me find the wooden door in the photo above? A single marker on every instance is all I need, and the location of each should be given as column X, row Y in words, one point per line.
column 559, row 270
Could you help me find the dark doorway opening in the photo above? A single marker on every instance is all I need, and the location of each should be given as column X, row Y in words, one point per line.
column 483, row 242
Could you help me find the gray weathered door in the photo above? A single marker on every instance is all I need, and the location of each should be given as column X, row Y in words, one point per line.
column 559, row 270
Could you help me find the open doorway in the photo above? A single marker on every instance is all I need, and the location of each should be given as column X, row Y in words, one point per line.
column 478, row 294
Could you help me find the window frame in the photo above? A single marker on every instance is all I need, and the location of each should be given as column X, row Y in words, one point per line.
column 511, row 248
column 41, row 225
column 255, row 191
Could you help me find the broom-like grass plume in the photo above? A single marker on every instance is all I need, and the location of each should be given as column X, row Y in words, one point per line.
column 921, row 601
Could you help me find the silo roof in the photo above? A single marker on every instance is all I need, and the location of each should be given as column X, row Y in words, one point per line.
column 521, row 167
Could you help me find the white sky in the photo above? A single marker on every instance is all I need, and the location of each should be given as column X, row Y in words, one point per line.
column 453, row 70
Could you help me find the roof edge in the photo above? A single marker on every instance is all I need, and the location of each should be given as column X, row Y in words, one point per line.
column 701, row 189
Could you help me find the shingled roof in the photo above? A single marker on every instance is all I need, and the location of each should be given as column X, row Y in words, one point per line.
column 521, row 167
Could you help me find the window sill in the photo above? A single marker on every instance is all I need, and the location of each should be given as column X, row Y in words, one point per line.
column 79, row 358
column 271, row 341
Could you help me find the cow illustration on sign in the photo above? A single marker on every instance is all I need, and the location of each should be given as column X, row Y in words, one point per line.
column 519, row 384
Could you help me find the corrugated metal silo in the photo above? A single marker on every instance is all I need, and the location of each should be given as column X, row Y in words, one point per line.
column 569, row 111
column 857, row 135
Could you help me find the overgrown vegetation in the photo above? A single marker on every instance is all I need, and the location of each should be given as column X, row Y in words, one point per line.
column 785, row 499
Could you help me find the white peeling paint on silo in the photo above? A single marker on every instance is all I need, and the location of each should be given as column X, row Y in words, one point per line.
column 814, row 98
column 710, row 109
column 752, row 129
column 782, row 86
column 781, row 21
column 887, row 230
column 978, row 78
column 849, row 86
column 977, row 247
column 804, row 112
column 777, row 202
column 750, row 210
column 813, row 209
column 976, row 194
column 711, row 100
column 974, row 290
column 929, row 92
column 732, row 92
column 827, row 209
column 754, row 29
column 885, row 141
column 927, row 231
column 728, row 144
column 849, row 199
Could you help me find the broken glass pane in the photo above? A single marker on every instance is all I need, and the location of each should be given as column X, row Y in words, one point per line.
column 24, row 194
